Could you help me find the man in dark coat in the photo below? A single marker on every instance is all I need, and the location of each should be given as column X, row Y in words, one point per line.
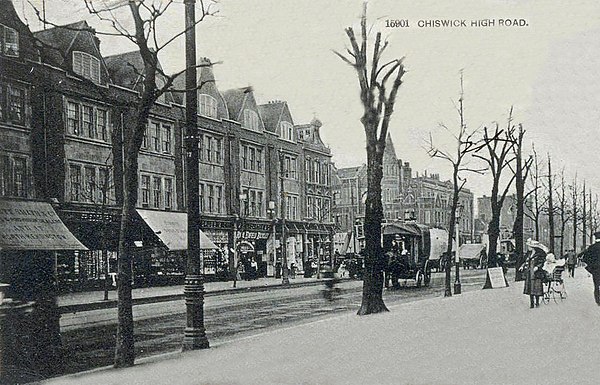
column 591, row 258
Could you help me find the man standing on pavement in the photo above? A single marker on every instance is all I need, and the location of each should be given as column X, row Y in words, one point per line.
column 571, row 258
column 591, row 257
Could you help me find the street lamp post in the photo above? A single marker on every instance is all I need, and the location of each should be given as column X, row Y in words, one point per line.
column 457, row 286
column 194, row 335
column 239, row 230
column 271, row 212
column 285, row 280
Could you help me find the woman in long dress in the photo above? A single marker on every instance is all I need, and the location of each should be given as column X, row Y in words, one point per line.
column 533, row 280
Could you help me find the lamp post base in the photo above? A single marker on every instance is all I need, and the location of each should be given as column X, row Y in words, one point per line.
column 457, row 287
column 194, row 335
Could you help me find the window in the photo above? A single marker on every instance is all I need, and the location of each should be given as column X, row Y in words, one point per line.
column 208, row 148
column 102, row 124
column 218, row 151
column 201, row 198
column 294, row 207
column 167, row 139
column 317, row 171
column 86, row 122
column 287, row 131
column 259, row 204
column 252, row 158
column 145, row 190
column 250, row 120
column 104, row 185
column 168, row 193
column 201, row 148
column 73, row 118
column 75, row 179
column 289, row 166
column 207, row 106
column 219, row 198
column 252, row 202
column 9, row 41
column 245, row 157
column 156, row 137
column 4, row 175
column 16, row 107
column 157, row 191
column 90, row 184
column 20, row 177
column 211, row 198
column 258, row 160
column 86, row 65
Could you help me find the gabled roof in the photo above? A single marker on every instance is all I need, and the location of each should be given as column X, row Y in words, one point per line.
column 271, row 114
column 234, row 99
column 127, row 70
column 58, row 40
column 389, row 147
column 349, row 172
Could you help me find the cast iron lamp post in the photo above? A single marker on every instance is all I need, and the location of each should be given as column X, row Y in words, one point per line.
column 457, row 286
column 285, row 280
column 272, row 212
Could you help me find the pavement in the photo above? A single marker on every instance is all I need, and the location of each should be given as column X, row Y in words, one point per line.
column 93, row 300
column 479, row 337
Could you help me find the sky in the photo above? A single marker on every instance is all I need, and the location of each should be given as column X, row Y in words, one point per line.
column 546, row 69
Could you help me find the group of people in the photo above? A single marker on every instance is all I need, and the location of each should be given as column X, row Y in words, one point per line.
column 541, row 264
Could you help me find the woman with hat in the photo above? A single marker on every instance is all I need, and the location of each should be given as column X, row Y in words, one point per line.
column 534, row 287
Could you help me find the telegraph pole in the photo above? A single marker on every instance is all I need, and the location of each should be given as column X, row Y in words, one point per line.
column 194, row 335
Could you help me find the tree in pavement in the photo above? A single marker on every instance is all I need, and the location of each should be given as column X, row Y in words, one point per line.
column 498, row 147
column 139, row 22
column 466, row 144
column 521, row 171
column 379, row 84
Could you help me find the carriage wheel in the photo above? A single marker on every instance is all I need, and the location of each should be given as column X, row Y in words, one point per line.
column 427, row 278
column 546, row 290
column 419, row 278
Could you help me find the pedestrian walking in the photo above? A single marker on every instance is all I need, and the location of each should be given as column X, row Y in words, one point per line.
column 534, row 286
column 571, row 258
column 591, row 257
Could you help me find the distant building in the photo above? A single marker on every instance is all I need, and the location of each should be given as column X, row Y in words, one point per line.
column 425, row 198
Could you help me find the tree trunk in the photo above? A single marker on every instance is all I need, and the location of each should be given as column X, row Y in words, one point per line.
column 518, row 224
column 124, row 350
column 493, row 235
column 372, row 298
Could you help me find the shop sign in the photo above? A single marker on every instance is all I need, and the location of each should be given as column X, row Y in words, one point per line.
column 254, row 235
column 217, row 236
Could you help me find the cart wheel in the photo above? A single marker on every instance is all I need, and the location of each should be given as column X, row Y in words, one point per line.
column 427, row 278
column 419, row 278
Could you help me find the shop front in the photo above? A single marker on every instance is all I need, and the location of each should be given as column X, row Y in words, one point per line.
column 251, row 252
column 31, row 234
column 163, row 248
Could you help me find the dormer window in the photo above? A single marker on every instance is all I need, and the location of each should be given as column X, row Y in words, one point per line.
column 9, row 41
column 250, row 120
column 207, row 106
column 87, row 66
column 287, row 131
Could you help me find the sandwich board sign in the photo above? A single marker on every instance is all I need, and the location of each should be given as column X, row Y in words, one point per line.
column 494, row 278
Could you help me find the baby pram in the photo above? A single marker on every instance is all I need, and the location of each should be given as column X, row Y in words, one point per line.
column 554, row 286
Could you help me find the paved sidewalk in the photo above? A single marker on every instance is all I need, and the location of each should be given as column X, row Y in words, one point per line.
column 480, row 337
column 97, row 297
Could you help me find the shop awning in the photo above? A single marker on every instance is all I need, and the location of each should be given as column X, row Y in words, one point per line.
column 171, row 229
column 29, row 225
column 471, row 251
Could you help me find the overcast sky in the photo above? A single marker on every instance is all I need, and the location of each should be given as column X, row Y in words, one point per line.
column 549, row 69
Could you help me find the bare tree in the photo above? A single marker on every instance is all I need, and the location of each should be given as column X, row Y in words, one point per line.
column 465, row 145
column 499, row 145
column 564, row 210
column 537, row 207
column 145, row 18
column 378, row 105
column 521, row 171
column 575, row 212
column 551, row 207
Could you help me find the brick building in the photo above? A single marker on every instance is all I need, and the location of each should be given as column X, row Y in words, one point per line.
column 63, row 113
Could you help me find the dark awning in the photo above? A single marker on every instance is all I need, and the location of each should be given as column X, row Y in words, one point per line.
column 29, row 225
column 171, row 229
